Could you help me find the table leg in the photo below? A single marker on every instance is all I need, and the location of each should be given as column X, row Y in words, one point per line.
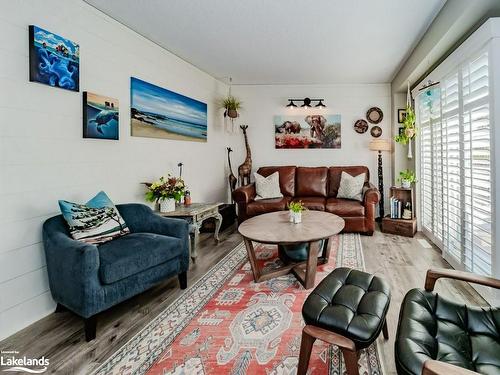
column 328, row 249
column 253, row 259
column 194, row 240
column 311, row 265
column 218, row 223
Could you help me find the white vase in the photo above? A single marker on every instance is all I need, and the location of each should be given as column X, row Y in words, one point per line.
column 410, row 154
column 167, row 205
column 295, row 217
column 405, row 184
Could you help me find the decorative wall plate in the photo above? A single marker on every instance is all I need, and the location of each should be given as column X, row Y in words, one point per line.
column 374, row 115
column 376, row 131
column 361, row 126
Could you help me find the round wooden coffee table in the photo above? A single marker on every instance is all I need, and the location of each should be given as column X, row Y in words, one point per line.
column 275, row 228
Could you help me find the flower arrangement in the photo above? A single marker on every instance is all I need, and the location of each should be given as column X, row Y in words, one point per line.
column 165, row 188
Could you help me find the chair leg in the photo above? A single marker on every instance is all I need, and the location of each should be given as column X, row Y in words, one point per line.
column 385, row 330
column 183, row 280
column 351, row 361
column 90, row 328
column 306, row 345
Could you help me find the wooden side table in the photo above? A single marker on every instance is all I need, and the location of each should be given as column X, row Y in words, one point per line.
column 195, row 214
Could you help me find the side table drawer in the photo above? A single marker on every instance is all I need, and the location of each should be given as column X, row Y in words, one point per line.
column 203, row 215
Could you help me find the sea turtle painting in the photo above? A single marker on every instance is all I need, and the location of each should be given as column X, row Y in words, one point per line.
column 103, row 118
column 100, row 116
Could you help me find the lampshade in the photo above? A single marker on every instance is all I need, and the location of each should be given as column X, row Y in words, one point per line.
column 380, row 145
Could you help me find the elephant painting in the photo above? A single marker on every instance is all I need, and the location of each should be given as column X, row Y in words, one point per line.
column 307, row 131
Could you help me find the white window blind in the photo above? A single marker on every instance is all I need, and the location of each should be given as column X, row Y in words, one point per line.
column 455, row 165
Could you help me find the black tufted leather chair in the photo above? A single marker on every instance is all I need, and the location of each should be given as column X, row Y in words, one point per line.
column 347, row 309
column 439, row 336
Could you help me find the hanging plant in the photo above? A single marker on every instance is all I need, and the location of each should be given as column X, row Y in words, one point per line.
column 231, row 106
column 409, row 129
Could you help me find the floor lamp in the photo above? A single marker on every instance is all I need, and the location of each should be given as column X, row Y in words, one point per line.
column 380, row 145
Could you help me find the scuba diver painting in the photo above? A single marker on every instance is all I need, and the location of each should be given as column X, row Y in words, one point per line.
column 54, row 60
column 100, row 116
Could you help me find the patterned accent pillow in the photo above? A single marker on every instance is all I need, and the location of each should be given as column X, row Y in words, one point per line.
column 267, row 187
column 95, row 222
column 351, row 187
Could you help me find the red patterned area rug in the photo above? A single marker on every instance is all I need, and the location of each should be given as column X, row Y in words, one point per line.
column 227, row 324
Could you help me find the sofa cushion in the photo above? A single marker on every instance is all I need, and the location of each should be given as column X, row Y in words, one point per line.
column 287, row 178
column 311, row 181
column 134, row 253
column 96, row 221
column 432, row 327
column 267, row 187
column 312, row 203
column 267, row 205
column 335, row 173
column 351, row 187
column 344, row 207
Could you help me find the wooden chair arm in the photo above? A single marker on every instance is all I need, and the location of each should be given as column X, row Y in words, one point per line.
column 433, row 367
column 330, row 337
column 434, row 274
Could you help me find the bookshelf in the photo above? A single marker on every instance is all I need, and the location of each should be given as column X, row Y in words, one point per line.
column 396, row 224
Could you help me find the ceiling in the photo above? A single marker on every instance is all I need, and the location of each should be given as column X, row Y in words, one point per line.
column 283, row 41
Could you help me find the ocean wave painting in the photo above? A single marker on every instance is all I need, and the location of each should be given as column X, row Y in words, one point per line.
column 54, row 60
column 100, row 116
column 160, row 113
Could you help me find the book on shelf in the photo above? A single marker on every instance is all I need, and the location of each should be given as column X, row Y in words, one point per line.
column 396, row 208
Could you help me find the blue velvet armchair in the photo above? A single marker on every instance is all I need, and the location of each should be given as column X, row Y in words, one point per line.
column 88, row 279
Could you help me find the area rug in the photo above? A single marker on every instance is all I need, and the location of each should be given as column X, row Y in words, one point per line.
column 227, row 324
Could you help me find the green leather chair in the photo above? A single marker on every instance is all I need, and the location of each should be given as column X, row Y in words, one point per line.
column 438, row 336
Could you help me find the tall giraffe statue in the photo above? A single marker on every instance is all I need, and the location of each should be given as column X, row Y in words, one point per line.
column 232, row 179
column 245, row 169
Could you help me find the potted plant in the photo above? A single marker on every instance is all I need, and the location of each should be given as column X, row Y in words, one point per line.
column 166, row 191
column 407, row 177
column 296, row 209
column 231, row 106
column 409, row 129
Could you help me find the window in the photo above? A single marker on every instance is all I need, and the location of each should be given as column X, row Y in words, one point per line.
column 455, row 165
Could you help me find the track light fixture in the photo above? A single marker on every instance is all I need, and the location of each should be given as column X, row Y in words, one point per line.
column 306, row 103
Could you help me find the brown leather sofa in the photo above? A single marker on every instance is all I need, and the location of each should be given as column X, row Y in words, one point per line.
column 317, row 188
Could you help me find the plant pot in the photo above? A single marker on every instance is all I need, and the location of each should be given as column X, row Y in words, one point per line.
column 232, row 113
column 405, row 184
column 295, row 217
column 167, row 205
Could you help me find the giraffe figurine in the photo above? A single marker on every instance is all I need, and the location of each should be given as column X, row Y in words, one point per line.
column 232, row 179
column 245, row 169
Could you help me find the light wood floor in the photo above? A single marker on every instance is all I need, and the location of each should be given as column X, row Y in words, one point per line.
column 59, row 337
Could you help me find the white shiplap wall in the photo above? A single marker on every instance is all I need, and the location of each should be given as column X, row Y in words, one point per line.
column 43, row 156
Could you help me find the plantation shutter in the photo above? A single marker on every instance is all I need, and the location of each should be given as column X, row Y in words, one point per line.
column 455, row 165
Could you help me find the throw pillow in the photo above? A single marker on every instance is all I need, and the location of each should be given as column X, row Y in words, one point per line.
column 267, row 187
column 351, row 187
column 96, row 221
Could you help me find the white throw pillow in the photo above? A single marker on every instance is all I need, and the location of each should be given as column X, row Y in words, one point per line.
column 267, row 187
column 351, row 187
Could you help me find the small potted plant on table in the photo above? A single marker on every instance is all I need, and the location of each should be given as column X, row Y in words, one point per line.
column 296, row 209
column 407, row 177
column 166, row 191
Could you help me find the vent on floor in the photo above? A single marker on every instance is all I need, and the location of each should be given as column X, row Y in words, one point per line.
column 424, row 243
